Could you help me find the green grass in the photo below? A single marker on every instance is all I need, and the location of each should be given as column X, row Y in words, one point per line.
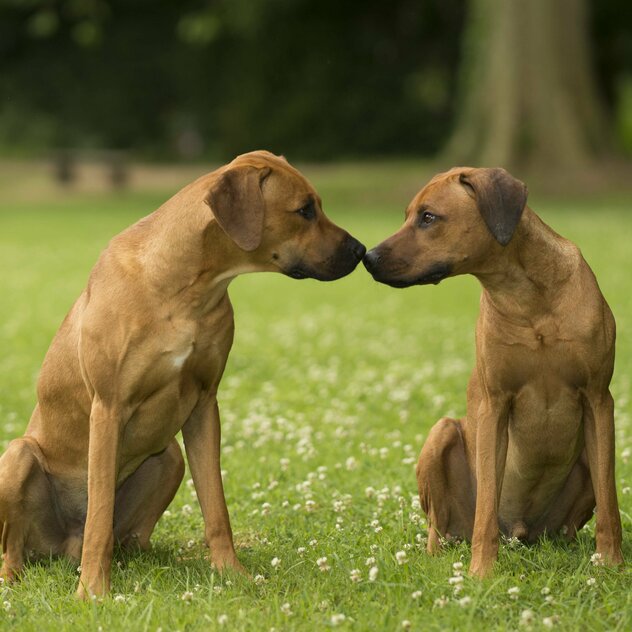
column 329, row 392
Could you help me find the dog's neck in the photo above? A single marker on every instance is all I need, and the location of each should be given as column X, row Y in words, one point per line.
column 525, row 278
column 187, row 259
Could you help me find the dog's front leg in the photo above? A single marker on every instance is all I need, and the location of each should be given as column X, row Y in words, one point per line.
column 491, row 454
column 98, row 539
column 202, row 437
column 599, row 437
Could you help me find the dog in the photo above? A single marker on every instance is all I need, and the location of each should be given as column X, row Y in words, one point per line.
column 535, row 452
column 139, row 358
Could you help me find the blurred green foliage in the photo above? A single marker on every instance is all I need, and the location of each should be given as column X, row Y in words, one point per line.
column 313, row 78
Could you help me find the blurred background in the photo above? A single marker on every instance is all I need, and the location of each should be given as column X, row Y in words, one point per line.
column 542, row 87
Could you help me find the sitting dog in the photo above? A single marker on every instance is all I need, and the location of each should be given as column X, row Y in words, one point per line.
column 139, row 358
column 535, row 452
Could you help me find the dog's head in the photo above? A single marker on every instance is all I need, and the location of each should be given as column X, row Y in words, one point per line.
column 274, row 217
column 452, row 225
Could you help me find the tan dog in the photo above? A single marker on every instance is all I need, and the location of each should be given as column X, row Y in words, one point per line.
column 536, row 449
column 139, row 358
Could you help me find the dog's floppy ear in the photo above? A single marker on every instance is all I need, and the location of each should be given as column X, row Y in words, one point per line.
column 237, row 203
column 501, row 198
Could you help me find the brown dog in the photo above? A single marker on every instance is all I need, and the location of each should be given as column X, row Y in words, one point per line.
column 139, row 358
column 536, row 449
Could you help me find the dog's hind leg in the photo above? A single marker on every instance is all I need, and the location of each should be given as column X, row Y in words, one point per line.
column 145, row 495
column 446, row 485
column 572, row 508
column 27, row 508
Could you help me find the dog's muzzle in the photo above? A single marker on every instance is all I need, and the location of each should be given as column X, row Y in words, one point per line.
column 343, row 262
column 374, row 262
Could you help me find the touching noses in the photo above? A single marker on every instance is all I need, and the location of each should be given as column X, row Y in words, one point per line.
column 371, row 260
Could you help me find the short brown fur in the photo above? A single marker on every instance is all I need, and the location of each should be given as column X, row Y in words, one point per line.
column 139, row 358
column 535, row 453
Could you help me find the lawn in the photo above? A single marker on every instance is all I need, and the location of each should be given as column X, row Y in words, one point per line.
column 329, row 392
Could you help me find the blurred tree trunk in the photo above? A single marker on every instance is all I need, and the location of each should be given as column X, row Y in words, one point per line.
column 529, row 96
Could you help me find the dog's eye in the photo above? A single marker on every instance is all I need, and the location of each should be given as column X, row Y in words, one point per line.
column 307, row 212
column 426, row 218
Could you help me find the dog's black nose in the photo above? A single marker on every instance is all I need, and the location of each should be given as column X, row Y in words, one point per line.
column 371, row 259
column 357, row 248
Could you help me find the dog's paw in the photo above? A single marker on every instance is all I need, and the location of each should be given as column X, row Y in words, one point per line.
column 609, row 557
column 91, row 590
column 481, row 570
column 8, row 575
column 228, row 564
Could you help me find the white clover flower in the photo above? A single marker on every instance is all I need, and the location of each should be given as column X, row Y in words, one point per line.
column 527, row 617
column 513, row 592
column 337, row 619
column 441, row 601
column 596, row 559
column 275, row 562
column 457, row 566
column 465, row 601
column 187, row 510
column 355, row 575
column 265, row 509
column 338, row 506
column 119, row 598
column 321, row 562
column 6, row 605
column 222, row 619
column 369, row 492
column 370, row 561
column 351, row 463
column 186, row 596
column 406, row 624
column 259, row 579
column 286, row 609
column 454, row 581
column 310, row 506
column 625, row 454
column 545, row 591
column 301, row 550
column 401, row 557
column 313, row 542
column 373, row 571
column 549, row 622
column 416, row 595
column 591, row 581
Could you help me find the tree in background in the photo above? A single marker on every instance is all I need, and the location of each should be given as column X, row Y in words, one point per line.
column 529, row 95
column 316, row 79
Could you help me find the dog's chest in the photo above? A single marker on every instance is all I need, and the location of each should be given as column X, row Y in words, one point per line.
column 188, row 361
column 549, row 352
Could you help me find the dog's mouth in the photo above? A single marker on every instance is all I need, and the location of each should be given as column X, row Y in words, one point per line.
column 434, row 275
column 297, row 272
column 340, row 264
